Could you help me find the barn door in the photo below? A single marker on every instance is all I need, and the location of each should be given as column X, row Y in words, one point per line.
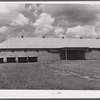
column 75, row 55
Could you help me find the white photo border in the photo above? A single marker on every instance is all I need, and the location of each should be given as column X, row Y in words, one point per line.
column 34, row 94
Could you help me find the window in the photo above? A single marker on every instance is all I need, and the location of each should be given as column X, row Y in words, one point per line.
column 11, row 59
column 1, row 60
column 32, row 59
column 22, row 59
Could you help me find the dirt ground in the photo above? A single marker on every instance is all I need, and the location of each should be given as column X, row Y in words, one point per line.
column 57, row 75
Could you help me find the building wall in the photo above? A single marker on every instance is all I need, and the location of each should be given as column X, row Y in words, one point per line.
column 93, row 55
column 41, row 55
column 45, row 55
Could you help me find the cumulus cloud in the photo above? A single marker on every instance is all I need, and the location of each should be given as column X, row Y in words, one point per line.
column 44, row 31
column 3, row 33
column 74, row 31
column 97, row 25
column 81, row 31
column 32, row 11
column 20, row 20
column 8, row 12
column 59, row 31
column 89, row 31
column 44, row 19
column 37, row 9
column 43, row 25
column 50, row 20
column 3, row 29
column 80, row 13
column 4, row 9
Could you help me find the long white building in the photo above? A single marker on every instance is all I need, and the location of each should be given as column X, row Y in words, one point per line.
column 44, row 49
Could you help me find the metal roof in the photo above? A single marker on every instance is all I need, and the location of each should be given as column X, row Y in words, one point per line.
column 18, row 43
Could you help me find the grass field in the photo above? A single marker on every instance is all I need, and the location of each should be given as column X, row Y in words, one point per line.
column 67, row 75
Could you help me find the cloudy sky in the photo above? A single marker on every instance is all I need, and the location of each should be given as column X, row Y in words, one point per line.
column 49, row 20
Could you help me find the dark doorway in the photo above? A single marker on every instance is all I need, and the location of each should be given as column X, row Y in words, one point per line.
column 63, row 54
column 11, row 59
column 1, row 60
column 22, row 59
column 75, row 55
column 32, row 59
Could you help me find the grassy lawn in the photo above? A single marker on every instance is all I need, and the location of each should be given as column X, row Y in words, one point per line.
column 67, row 75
